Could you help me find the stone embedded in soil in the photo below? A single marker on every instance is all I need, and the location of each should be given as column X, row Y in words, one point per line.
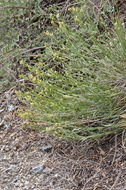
column 47, row 148
column 58, row 188
column 6, row 188
column 11, row 108
column 13, row 182
column 26, row 182
column 12, row 168
column 17, row 184
column 38, row 169
column 81, row 183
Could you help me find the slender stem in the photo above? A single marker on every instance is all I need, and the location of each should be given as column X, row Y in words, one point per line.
column 13, row 7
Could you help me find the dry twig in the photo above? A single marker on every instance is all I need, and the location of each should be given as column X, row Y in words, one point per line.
column 116, row 181
column 115, row 150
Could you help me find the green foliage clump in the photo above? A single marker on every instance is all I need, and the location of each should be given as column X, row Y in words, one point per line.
column 77, row 88
column 22, row 26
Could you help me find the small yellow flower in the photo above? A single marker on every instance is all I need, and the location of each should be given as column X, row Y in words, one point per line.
column 28, row 98
column 40, row 63
column 51, row 15
column 55, row 132
column 52, row 104
column 52, row 22
column 37, row 87
column 34, row 79
column 30, row 76
column 46, row 44
column 63, row 48
column 39, row 82
column 57, row 16
column 115, row 24
column 48, row 33
column 33, row 103
column 18, row 92
column 76, row 19
column 60, row 24
column 69, row 9
column 40, row 93
column 76, row 9
column 48, row 129
column 21, row 76
column 23, row 125
column 66, row 73
column 45, row 89
column 38, row 73
column 50, row 70
column 49, row 75
column 28, row 93
column 57, row 124
column 55, row 55
column 51, row 115
column 21, row 62
column 81, row 10
column 73, row 9
column 23, row 114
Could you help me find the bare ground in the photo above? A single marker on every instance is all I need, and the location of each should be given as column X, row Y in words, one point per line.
column 69, row 165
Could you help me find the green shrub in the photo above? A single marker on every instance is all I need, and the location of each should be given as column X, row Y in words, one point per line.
column 77, row 88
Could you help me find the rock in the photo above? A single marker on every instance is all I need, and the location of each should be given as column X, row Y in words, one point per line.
column 38, row 169
column 12, row 168
column 6, row 188
column 21, row 185
column 46, row 183
column 26, row 182
column 11, row 107
column 17, row 184
column 13, row 182
column 58, row 188
column 47, row 148
column 81, row 183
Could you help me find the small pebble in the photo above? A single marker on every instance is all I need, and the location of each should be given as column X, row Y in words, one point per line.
column 58, row 188
column 10, row 107
column 26, row 182
column 13, row 182
column 17, row 184
column 47, row 148
column 12, row 168
column 6, row 188
column 38, row 169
